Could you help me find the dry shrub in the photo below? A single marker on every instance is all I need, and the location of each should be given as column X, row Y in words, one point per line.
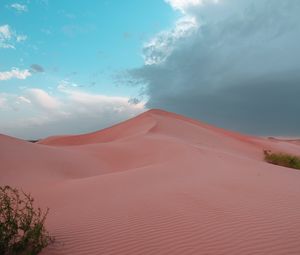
column 22, row 229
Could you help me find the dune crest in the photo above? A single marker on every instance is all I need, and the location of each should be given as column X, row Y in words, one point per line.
column 160, row 183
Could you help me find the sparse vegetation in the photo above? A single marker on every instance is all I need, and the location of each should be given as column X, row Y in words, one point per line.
column 282, row 159
column 22, row 229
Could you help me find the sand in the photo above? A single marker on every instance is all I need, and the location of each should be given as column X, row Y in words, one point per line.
column 160, row 183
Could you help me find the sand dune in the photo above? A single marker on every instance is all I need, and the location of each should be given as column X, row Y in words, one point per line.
column 160, row 183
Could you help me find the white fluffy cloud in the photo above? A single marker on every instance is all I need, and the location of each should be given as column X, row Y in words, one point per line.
column 21, row 38
column 5, row 37
column 8, row 37
column 14, row 73
column 184, row 5
column 19, row 7
column 37, row 113
column 42, row 99
column 162, row 45
column 5, row 32
column 24, row 99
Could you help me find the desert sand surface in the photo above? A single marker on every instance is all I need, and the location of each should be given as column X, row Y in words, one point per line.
column 160, row 183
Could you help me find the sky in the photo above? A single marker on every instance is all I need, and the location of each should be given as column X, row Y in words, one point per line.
column 70, row 67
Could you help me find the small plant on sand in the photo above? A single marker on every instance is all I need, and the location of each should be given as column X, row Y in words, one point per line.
column 22, row 229
column 282, row 159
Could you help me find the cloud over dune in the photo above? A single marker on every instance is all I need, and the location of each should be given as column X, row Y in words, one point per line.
column 67, row 111
column 238, row 68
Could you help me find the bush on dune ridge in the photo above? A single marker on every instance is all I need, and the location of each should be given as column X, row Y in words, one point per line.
column 282, row 159
column 22, row 229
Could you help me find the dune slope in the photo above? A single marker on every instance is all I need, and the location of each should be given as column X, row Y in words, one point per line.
column 160, row 183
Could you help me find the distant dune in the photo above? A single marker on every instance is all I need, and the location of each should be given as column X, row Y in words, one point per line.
column 160, row 183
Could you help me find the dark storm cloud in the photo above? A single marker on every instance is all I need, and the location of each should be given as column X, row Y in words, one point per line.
column 37, row 68
column 240, row 69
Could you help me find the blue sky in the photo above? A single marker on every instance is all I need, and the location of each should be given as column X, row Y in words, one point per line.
column 85, row 42
column 70, row 67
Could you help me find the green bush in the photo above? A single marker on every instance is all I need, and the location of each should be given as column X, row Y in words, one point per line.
column 22, row 229
column 282, row 159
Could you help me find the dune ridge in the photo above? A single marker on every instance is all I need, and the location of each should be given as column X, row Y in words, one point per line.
column 160, row 183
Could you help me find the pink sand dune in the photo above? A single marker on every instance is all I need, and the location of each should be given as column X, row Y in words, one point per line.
column 160, row 183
